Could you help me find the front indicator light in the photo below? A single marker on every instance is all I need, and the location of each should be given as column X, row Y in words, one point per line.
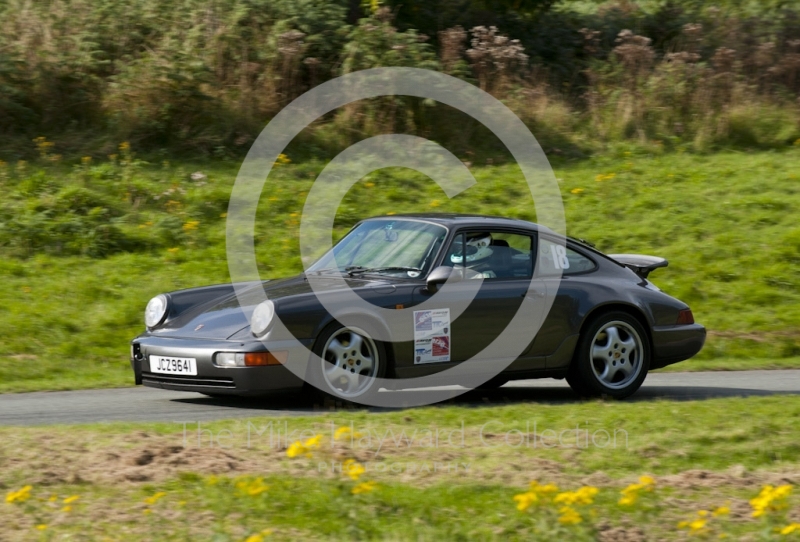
column 685, row 317
column 256, row 359
column 250, row 359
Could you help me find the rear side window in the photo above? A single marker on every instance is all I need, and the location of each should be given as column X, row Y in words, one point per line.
column 555, row 259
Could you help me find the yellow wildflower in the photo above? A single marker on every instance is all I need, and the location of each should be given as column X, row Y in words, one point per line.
column 435, row 203
column 604, row 177
column 297, row 449
column 647, row 480
column 369, row 185
column 345, row 432
column 252, row 488
column 313, row 442
column 154, row 498
column 791, row 528
column 364, row 487
column 546, row 489
column 342, row 432
column 86, row 160
column 631, row 493
column 584, row 495
column 576, row 191
column 353, row 469
column 721, row 511
column 72, row 499
column 525, row 500
column 191, row 225
column 770, row 499
column 258, row 537
column 124, row 146
column 569, row 516
column 697, row 525
column 282, row 159
column 67, row 509
column 21, row 495
column 41, row 527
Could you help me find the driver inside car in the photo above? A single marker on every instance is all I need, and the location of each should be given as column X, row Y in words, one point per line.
column 478, row 251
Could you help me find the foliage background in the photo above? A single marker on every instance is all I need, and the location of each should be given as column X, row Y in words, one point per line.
column 206, row 75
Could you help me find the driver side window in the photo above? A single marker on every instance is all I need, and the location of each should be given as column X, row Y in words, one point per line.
column 491, row 255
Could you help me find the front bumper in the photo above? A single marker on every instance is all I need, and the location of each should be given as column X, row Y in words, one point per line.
column 672, row 344
column 213, row 379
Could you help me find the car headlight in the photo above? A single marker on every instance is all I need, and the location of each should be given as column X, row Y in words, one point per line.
column 262, row 317
column 156, row 311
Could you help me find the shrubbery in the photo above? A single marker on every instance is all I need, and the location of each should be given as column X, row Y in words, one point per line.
column 207, row 75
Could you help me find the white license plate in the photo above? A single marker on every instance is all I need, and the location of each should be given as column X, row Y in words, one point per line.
column 173, row 366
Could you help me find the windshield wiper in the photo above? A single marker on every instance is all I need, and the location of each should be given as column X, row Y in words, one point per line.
column 358, row 270
column 326, row 270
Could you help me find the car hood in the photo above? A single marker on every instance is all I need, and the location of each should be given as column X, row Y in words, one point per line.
column 225, row 314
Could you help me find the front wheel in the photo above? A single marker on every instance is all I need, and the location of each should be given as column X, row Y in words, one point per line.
column 348, row 363
column 612, row 357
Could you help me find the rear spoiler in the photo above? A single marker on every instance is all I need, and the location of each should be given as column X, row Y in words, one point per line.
column 640, row 264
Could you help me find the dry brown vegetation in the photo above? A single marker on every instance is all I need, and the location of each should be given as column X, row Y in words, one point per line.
column 208, row 74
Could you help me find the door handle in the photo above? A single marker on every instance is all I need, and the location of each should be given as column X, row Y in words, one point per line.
column 533, row 293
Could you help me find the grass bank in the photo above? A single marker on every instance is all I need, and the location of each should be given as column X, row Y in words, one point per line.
column 85, row 245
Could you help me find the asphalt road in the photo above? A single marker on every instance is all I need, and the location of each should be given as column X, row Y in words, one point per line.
column 145, row 404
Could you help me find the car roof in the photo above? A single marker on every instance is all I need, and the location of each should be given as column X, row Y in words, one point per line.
column 458, row 219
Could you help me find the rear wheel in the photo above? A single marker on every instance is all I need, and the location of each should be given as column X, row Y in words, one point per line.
column 348, row 363
column 612, row 357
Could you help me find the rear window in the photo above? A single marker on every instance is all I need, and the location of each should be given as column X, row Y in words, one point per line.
column 555, row 259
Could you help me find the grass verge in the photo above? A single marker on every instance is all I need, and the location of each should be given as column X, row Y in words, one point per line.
column 86, row 245
column 431, row 473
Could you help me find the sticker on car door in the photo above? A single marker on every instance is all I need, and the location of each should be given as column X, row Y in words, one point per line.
column 431, row 336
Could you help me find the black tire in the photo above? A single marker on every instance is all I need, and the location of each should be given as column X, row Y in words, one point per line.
column 577, row 385
column 493, row 383
column 612, row 357
column 347, row 364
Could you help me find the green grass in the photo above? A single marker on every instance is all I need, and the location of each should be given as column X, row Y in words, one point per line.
column 78, row 266
column 703, row 454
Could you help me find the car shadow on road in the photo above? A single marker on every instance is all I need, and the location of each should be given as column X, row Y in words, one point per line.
column 303, row 402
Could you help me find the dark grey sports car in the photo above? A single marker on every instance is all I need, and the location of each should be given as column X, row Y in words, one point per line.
column 591, row 318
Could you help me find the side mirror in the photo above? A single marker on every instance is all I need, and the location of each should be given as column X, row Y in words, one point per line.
column 440, row 275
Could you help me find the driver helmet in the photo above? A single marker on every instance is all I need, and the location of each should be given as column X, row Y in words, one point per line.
column 477, row 249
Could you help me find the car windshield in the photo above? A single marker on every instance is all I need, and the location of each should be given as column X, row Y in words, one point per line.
column 397, row 247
